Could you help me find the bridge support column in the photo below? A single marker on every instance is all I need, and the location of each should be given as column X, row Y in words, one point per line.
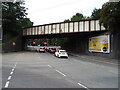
column 81, row 45
column 24, row 42
column 78, row 44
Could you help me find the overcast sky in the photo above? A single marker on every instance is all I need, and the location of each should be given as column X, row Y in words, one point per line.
column 52, row 11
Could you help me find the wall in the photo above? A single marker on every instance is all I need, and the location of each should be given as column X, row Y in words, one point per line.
column 0, row 46
column 115, row 45
column 82, row 44
column 9, row 47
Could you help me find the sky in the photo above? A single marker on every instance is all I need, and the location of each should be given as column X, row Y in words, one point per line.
column 52, row 11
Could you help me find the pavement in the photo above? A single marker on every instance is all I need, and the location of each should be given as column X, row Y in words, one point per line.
column 0, row 64
column 95, row 58
column 0, row 46
column 44, row 70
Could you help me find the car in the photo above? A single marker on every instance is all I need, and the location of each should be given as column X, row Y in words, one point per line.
column 47, row 49
column 42, row 49
column 61, row 53
column 52, row 50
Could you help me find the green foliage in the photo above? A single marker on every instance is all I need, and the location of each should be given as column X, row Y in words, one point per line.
column 62, row 41
column 25, row 22
column 110, row 16
column 52, row 41
column 13, row 18
column 96, row 14
column 77, row 17
column 87, row 17
column 66, row 20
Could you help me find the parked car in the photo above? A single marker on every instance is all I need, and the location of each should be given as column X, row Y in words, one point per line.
column 42, row 49
column 61, row 53
column 52, row 50
column 47, row 49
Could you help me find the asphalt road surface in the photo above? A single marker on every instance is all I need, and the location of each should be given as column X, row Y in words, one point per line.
column 44, row 70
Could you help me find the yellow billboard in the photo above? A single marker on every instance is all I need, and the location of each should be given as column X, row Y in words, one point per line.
column 99, row 44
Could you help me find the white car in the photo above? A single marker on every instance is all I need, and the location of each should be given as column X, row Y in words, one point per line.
column 61, row 53
column 41, row 49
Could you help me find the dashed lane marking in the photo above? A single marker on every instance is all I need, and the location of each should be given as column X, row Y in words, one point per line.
column 49, row 66
column 7, row 84
column 57, row 70
column 66, row 75
column 13, row 70
column 9, row 78
column 61, row 73
column 83, row 86
column 11, row 73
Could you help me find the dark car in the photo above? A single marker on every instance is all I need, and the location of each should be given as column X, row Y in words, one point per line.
column 52, row 50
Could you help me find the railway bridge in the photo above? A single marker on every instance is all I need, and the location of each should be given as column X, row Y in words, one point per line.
column 63, row 29
column 85, row 36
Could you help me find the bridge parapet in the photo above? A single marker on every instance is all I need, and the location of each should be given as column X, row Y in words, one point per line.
column 64, row 27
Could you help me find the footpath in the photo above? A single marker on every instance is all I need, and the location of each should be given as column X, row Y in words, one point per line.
column 0, row 46
column 95, row 58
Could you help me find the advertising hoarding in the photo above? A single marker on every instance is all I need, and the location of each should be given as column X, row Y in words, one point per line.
column 100, row 44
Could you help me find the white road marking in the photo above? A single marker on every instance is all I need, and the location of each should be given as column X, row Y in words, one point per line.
column 13, row 70
column 9, row 77
column 49, row 66
column 7, row 84
column 61, row 73
column 83, row 86
column 14, row 66
column 11, row 73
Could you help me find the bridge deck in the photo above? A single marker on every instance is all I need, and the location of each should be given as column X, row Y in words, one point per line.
column 64, row 27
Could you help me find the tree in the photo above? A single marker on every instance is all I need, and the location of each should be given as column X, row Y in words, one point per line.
column 14, row 18
column 110, row 16
column 66, row 20
column 77, row 17
column 96, row 14
column 25, row 22
column 87, row 17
